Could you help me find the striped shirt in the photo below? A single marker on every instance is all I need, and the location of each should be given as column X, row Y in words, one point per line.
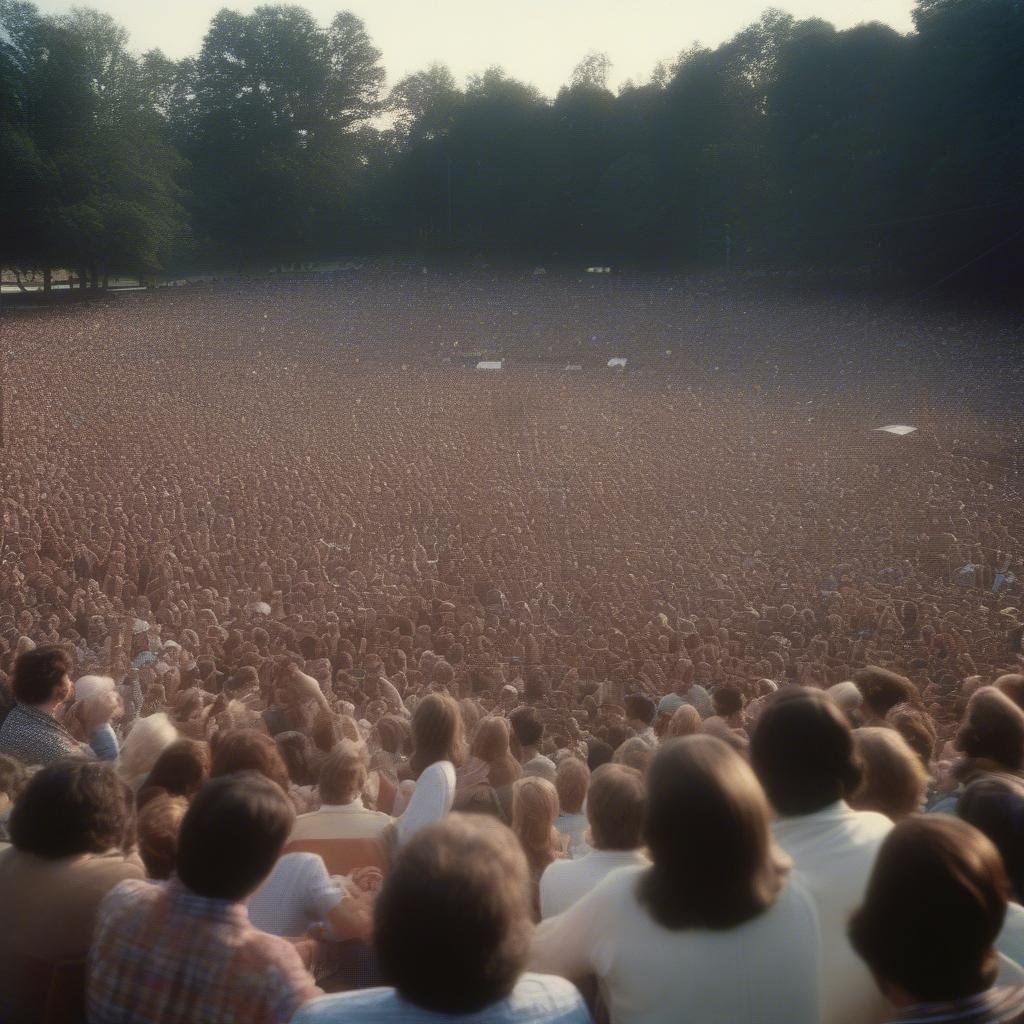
column 996, row 1006
column 163, row 955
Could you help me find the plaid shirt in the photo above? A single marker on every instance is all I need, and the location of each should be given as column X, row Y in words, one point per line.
column 163, row 955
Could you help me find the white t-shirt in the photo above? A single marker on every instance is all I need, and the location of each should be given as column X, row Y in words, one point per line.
column 765, row 971
column 566, row 881
column 297, row 894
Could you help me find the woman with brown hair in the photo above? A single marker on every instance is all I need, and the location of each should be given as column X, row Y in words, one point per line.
column 492, row 745
column 894, row 782
column 534, row 813
column 674, row 941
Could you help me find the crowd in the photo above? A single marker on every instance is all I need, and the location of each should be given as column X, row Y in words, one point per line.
column 329, row 665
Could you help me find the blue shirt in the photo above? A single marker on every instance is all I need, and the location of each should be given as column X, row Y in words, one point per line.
column 536, row 999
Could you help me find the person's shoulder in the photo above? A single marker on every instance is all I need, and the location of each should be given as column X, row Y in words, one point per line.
column 366, row 1005
column 546, row 999
column 129, row 896
column 870, row 826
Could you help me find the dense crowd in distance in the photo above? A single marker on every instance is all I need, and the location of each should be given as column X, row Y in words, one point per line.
column 329, row 663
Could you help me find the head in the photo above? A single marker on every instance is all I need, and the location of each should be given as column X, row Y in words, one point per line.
column 491, row 741
column 933, row 908
column 882, row 690
column 707, row 829
column 634, row 752
column 147, row 739
column 452, row 923
column 534, row 813
column 343, row 774
column 598, row 753
column 232, row 835
column 571, row 781
column 437, row 732
column 158, row 827
column 41, row 676
column 1012, row 684
column 527, row 727
column 685, row 721
column 893, row 780
column 996, row 808
column 248, row 750
column 616, row 806
column 640, row 708
column 728, row 701
column 70, row 808
column 849, row 698
column 297, row 752
column 180, row 770
column 993, row 729
column 802, row 751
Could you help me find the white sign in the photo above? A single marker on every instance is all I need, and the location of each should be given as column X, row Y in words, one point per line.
column 617, row 362
column 489, row 364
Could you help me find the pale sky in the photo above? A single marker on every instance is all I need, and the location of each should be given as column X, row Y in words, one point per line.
column 539, row 41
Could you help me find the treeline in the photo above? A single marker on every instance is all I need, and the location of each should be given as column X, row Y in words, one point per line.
column 792, row 144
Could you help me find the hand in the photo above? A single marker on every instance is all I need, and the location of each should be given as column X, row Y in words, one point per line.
column 100, row 709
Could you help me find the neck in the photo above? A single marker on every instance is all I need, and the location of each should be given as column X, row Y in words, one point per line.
column 51, row 706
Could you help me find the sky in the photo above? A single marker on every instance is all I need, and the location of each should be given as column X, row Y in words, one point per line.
column 539, row 41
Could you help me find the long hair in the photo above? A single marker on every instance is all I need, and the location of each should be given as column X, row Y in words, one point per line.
column 708, row 833
column 534, row 812
column 437, row 733
column 492, row 745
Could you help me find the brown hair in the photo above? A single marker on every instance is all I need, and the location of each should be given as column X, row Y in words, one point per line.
column 916, row 726
column 893, row 782
column 685, row 721
column 993, row 728
column 437, row 732
column 492, row 744
column 158, row 826
column 708, row 832
column 343, row 774
column 452, row 923
column 571, row 781
column 534, row 812
column 883, row 689
column 179, row 771
column 39, row 674
column 1012, row 684
column 934, row 905
column 247, row 749
column 616, row 807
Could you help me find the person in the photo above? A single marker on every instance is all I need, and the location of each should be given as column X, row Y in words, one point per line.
column 31, row 731
column 894, row 783
column 159, row 824
column 676, row 940
column 882, row 689
column 534, row 813
column 452, row 931
column 803, row 752
column 616, row 803
column 572, row 779
column 147, row 739
column 180, row 770
column 528, row 729
column 491, row 746
column 12, row 781
column 70, row 828
column 686, row 691
column 927, row 928
column 184, row 951
column 685, row 721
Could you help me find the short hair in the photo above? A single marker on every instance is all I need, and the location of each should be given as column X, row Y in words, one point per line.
column 728, row 700
column 438, row 732
column 158, row 827
column 147, row 739
column 452, row 924
column 993, row 728
column 571, row 780
column 802, row 751
column 685, row 721
column 527, row 726
column 883, row 689
column 180, row 770
column 232, row 834
column 39, row 673
column 917, row 727
column 248, row 750
column 634, row 752
column 616, row 807
column 640, row 707
column 598, row 753
column 707, row 828
column 343, row 774
column 934, row 905
column 1012, row 684
column 71, row 807
column 894, row 781
column 994, row 804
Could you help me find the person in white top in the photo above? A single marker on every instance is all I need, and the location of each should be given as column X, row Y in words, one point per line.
column 616, row 805
column 715, row 929
column 571, row 781
column 803, row 752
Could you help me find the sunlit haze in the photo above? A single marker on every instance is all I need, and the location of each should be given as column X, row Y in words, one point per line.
column 536, row 40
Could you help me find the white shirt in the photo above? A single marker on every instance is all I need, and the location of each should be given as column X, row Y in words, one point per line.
column 834, row 851
column 765, row 971
column 574, row 828
column 1011, row 939
column 297, row 894
column 566, row 881
column 431, row 800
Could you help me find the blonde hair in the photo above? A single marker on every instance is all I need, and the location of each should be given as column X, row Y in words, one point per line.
column 147, row 739
column 894, row 780
column 684, row 722
column 534, row 813
column 571, row 782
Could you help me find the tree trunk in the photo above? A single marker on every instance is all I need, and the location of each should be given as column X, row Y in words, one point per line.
column 106, row 281
column 95, row 279
column 84, row 277
column 46, row 280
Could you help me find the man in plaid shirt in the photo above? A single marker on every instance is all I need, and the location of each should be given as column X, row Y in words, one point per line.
column 184, row 952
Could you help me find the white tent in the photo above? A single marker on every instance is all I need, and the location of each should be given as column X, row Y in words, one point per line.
column 900, row 429
column 489, row 364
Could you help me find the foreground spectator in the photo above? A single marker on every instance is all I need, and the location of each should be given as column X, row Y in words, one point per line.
column 452, row 930
column 803, row 753
column 69, row 829
column 673, row 941
column 615, row 812
column 184, row 952
column 928, row 926
column 894, row 783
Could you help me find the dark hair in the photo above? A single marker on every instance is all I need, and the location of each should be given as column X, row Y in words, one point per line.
column 527, row 726
column 934, row 905
column 640, row 707
column 802, row 751
column 598, row 753
column 995, row 806
column 728, row 700
column 438, row 732
column 917, row 727
column 158, row 826
column 248, row 750
column 296, row 750
column 343, row 774
column 708, row 832
column 180, row 770
column 39, row 673
column 883, row 689
column 452, row 923
column 232, row 835
column 616, row 807
column 993, row 728
column 71, row 807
